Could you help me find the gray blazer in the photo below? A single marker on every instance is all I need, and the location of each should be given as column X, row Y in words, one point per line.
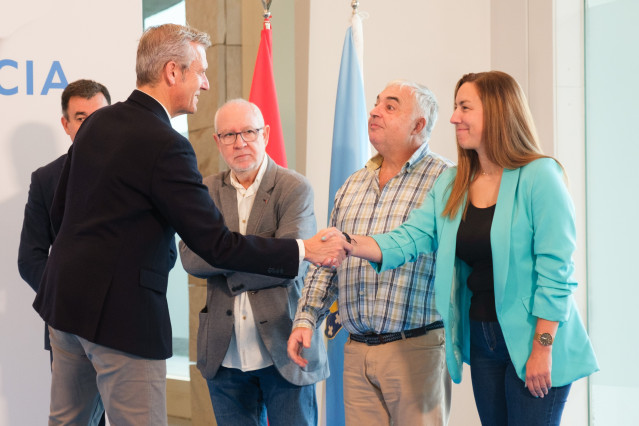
column 283, row 208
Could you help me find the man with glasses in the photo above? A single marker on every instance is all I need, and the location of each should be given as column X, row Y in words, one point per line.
column 245, row 325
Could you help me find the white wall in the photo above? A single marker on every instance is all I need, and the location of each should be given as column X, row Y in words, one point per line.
column 570, row 149
column 95, row 40
column 428, row 41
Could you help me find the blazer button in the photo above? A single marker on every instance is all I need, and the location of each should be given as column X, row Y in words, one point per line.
column 229, row 312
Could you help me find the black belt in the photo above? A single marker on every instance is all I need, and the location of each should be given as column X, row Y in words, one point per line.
column 373, row 339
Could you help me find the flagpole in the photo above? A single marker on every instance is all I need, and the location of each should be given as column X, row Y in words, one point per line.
column 358, row 39
column 349, row 153
column 266, row 4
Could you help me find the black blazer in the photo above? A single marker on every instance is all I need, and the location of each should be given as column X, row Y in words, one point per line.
column 37, row 234
column 130, row 182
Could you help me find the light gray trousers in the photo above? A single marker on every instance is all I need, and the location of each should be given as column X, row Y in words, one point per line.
column 132, row 389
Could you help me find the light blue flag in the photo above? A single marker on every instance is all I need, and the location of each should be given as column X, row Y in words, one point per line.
column 349, row 153
column 350, row 128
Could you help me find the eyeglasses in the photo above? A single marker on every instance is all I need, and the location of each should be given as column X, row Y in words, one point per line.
column 247, row 136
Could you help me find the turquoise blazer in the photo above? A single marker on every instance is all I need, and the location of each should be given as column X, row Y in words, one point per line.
column 532, row 239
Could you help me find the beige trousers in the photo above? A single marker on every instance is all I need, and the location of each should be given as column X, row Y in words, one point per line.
column 405, row 382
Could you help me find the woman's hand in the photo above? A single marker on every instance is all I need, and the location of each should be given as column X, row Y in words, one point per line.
column 538, row 369
column 539, row 365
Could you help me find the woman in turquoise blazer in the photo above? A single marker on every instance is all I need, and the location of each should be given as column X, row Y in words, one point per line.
column 504, row 219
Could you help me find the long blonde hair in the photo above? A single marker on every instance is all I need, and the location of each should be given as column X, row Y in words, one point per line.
column 509, row 134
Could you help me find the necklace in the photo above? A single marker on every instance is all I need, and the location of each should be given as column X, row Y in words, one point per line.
column 483, row 173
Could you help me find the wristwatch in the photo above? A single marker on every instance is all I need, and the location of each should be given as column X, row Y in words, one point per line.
column 545, row 339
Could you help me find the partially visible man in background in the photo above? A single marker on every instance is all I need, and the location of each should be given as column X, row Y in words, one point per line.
column 79, row 100
column 247, row 319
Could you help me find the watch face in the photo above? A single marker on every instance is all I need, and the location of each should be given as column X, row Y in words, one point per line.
column 545, row 339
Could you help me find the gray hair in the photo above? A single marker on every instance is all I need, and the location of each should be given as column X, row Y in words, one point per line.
column 239, row 101
column 425, row 103
column 162, row 44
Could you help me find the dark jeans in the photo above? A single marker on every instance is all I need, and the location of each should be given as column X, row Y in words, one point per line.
column 500, row 395
column 247, row 398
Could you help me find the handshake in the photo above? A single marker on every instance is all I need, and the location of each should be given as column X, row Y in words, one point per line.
column 329, row 247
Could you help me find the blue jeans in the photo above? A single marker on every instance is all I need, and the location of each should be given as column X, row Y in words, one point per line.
column 247, row 398
column 500, row 395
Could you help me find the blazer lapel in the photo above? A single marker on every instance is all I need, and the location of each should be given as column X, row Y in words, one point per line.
column 500, row 232
column 262, row 198
column 446, row 284
column 228, row 201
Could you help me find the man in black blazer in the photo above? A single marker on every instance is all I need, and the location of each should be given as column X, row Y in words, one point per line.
column 79, row 100
column 130, row 182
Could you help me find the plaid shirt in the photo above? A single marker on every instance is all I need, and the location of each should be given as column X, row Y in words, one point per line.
column 395, row 300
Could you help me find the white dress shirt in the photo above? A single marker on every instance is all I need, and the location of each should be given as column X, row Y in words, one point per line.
column 246, row 350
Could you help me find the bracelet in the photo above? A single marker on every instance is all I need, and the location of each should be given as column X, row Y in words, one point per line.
column 348, row 237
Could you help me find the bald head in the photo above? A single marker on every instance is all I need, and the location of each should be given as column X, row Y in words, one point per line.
column 241, row 106
column 241, row 137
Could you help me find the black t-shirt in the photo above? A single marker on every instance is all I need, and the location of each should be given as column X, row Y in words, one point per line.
column 473, row 247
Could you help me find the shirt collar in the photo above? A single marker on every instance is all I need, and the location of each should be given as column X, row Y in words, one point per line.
column 258, row 179
column 376, row 161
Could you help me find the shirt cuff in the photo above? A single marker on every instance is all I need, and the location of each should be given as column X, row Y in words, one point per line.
column 303, row 323
column 302, row 250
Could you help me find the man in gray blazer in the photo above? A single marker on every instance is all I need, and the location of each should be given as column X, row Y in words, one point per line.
column 247, row 319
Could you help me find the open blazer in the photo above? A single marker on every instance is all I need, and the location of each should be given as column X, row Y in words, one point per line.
column 532, row 240
column 283, row 208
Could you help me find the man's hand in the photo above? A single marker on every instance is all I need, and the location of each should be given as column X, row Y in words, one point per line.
column 300, row 338
column 327, row 248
